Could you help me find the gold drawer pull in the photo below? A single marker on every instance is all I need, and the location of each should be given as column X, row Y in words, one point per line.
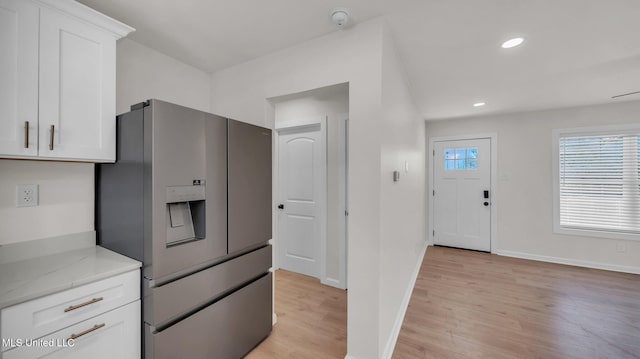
column 51, row 134
column 26, row 134
column 74, row 307
column 95, row 327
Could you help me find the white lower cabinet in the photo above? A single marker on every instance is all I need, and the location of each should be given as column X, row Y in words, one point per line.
column 115, row 334
column 96, row 320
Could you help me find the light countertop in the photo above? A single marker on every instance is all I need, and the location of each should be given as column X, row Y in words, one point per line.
column 32, row 278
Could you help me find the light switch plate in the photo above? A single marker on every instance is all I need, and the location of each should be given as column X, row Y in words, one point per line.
column 26, row 195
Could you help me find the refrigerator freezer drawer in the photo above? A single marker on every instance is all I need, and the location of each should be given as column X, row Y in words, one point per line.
column 174, row 299
column 227, row 329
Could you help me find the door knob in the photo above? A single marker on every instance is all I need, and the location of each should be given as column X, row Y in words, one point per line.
column 486, row 204
column 281, row 206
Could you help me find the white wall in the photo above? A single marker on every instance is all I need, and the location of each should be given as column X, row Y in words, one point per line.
column 354, row 56
column 524, row 186
column 143, row 73
column 402, row 228
column 331, row 102
column 65, row 205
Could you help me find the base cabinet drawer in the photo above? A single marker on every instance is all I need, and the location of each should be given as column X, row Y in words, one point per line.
column 112, row 335
column 227, row 329
column 42, row 316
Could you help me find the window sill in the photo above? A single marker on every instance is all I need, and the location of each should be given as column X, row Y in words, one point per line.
column 596, row 234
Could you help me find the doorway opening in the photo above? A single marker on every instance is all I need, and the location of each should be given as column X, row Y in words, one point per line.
column 310, row 201
column 310, row 183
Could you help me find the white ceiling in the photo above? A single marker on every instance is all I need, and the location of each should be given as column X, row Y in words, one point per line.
column 576, row 52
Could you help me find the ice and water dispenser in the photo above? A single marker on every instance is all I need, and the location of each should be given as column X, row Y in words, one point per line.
column 186, row 217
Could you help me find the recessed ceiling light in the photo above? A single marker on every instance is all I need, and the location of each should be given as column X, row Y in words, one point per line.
column 512, row 43
column 479, row 104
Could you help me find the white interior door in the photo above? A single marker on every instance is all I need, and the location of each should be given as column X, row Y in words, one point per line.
column 462, row 198
column 300, row 171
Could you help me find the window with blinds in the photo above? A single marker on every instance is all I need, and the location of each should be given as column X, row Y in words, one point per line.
column 599, row 183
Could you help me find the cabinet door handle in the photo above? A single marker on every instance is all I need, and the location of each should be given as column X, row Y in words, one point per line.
column 53, row 128
column 74, row 307
column 26, row 134
column 95, row 327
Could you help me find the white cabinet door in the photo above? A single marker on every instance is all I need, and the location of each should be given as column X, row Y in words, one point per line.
column 115, row 334
column 18, row 78
column 77, row 89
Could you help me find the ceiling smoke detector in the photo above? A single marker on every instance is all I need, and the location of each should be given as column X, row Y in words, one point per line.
column 340, row 16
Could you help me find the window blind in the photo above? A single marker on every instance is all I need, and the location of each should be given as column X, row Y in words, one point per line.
column 600, row 182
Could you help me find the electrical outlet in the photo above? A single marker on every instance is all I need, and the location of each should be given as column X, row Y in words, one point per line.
column 26, row 195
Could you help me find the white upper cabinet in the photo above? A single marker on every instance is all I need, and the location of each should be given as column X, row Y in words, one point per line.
column 71, row 76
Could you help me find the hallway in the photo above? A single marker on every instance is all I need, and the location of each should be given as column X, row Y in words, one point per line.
column 312, row 320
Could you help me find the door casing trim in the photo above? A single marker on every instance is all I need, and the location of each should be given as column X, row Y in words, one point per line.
column 343, row 174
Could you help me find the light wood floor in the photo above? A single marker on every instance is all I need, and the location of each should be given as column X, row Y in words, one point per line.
column 475, row 305
column 312, row 320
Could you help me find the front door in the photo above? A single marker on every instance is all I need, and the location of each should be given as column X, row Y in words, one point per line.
column 462, row 198
column 300, row 194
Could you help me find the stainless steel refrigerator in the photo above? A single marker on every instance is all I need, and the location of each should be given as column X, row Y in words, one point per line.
column 190, row 197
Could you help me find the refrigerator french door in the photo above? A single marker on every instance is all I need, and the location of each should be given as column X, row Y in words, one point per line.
column 249, row 185
column 169, row 188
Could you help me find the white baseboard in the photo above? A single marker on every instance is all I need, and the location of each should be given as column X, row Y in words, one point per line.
column 332, row 282
column 571, row 262
column 391, row 343
column 349, row 357
column 274, row 319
